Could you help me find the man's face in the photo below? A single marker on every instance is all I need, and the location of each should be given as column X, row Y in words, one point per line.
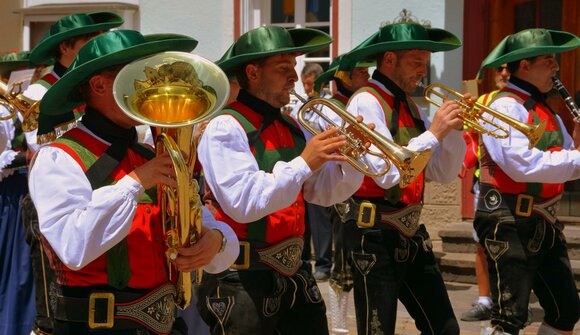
column 502, row 76
column 541, row 70
column 308, row 83
column 272, row 79
column 358, row 77
column 69, row 52
column 409, row 67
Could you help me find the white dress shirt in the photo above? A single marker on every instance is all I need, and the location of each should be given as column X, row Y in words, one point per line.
column 521, row 164
column 7, row 155
column 81, row 224
column 247, row 194
column 34, row 92
column 447, row 155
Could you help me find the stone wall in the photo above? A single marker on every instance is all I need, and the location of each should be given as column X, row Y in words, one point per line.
column 442, row 206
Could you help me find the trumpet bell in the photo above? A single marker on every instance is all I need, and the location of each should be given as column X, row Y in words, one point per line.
column 171, row 89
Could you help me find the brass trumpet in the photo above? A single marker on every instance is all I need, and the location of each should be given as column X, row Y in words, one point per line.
column 16, row 101
column 472, row 115
column 179, row 90
column 408, row 162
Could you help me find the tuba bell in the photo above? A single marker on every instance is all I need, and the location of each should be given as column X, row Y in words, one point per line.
column 409, row 163
column 16, row 101
column 173, row 91
column 473, row 117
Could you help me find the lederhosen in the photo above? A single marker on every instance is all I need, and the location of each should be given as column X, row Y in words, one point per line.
column 268, row 287
column 127, row 288
column 517, row 225
column 390, row 252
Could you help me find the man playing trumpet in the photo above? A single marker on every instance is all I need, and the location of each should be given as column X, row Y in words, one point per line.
column 390, row 253
column 521, row 187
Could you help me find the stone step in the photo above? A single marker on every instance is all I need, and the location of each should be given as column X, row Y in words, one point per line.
column 460, row 267
column 458, row 238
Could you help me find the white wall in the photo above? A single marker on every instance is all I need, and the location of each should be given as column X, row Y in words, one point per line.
column 212, row 26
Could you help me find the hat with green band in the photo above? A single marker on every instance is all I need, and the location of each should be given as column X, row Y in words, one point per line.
column 271, row 40
column 529, row 43
column 14, row 61
column 71, row 26
column 104, row 51
column 404, row 36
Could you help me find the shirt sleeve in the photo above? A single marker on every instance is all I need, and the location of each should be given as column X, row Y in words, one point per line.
column 245, row 192
column 80, row 224
column 223, row 260
column 523, row 165
column 7, row 155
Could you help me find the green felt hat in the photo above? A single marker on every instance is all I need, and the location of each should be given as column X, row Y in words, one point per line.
column 104, row 51
column 271, row 40
column 13, row 61
column 341, row 70
column 529, row 43
column 405, row 36
column 71, row 26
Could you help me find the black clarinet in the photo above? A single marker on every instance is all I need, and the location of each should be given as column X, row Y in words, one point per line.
column 567, row 99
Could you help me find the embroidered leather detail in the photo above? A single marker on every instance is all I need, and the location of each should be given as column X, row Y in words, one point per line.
column 492, row 199
column 406, row 220
column 285, row 256
column 496, row 248
column 364, row 262
column 548, row 209
column 156, row 311
column 220, row 307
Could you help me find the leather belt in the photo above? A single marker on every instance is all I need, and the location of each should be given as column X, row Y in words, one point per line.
column 121, row 310
column 368, row 214
column 284, row 257
column 521, row 204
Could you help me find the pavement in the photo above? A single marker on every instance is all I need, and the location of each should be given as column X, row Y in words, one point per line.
column 461, row 296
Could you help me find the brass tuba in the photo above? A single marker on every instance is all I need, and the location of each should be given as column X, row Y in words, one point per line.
column 173, row 91
column 472, row 115
column 16, row 101
column 408, row 162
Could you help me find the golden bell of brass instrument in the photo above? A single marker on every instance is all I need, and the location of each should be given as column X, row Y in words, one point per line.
column 473, row 117
column 409, row 163
column 173, row 91
column 16, row 101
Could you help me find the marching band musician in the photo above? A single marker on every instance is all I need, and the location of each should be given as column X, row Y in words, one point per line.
column 60, row 46
column 357, row 75
column 261, row 170
column 390, row 252
column 16, row 284
column 104, row 233
column 520, row 190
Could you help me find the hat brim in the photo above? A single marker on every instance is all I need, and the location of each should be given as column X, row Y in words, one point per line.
column 64, row 96
column 43, row 52
column 10, row 66
column 305, row 40
column 530, row 52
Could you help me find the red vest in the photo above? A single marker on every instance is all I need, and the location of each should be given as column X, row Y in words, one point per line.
column 276, row 143
column 145, row 246
column 413, row 193
column 551, row 140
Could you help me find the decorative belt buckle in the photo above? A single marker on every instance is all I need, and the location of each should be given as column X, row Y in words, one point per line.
column 524, row 199
column 245, row 249
column 366, row 215
column 110, row 310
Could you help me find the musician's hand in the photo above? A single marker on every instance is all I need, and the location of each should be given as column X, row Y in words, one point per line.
column 159, row 170
column 321, row 148
column 576, row 135
column 446, row 119
column 201, row 253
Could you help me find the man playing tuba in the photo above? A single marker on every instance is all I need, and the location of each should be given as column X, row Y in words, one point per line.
column 104, row 235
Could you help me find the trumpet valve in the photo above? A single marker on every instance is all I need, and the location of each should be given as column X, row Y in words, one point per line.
column 172, row 243
column 355, row 140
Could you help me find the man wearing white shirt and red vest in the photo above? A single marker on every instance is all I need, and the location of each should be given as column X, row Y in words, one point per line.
column 390, row 252
column 261, row 169
column 104, row 232
column 59, row 46
column 521, row 187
